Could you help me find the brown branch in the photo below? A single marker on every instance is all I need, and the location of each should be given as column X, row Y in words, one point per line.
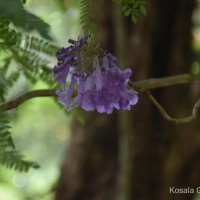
column 163, row 82
column 171, row 119
column 24, row 97
column 140, row 86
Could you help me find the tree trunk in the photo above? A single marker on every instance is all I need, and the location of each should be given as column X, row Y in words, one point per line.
column 162, row 44
column 90, row 167
column 89, row 170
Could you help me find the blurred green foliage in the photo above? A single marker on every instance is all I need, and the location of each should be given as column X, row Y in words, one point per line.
column 133, row 8
column 41, row 132
column 39, row 128
column 13, row 10
column 21, row 55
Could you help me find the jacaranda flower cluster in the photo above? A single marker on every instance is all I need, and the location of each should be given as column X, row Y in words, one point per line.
column 101, row 86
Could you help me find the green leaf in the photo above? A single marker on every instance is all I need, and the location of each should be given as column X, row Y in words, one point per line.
column 143, row 10
column 125, row 7
column 9, row 157
column 118, row 1
column 13, row 160
column 35, row 23
column 127, row 12
column 8, row 35
column 135, row 5
column 134, row 18
column 134, row 8
column 13, row 11
column 86, row 16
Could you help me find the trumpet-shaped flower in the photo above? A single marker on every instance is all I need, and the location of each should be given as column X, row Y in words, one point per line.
column 103, row 88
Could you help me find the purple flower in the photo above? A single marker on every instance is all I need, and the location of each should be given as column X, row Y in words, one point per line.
column 85, row 97
column 103, row 87
column 64, row 96
column 97, row 75
column 60, row 72
column 67, row 58
column 113, row 92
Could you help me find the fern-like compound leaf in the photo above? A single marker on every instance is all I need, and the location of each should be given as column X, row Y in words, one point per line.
column 87, row 16
column 31, row 56
column 9, row 157
column 133, row 8
column 13, row 11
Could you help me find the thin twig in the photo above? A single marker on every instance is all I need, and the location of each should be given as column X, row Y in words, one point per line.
column 171, row 119
column 24, row 97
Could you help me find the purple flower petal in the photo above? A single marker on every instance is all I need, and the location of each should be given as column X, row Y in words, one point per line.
column 64, row 96
column 60, row 72
column 89, row 84
column 84, row 40
column 110, row 56
column 97, row 75
column 85, row 100
column 127, row 73
column 88, row 103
